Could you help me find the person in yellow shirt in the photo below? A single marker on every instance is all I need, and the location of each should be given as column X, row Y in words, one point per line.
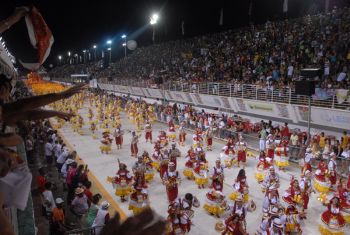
column 345, row 140
column 322, row 141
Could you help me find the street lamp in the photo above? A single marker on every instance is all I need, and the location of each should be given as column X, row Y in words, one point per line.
column 59, row 59
column 153, row 20
column 109, row 42
column 69, row 56
column 110, row 54
column 95, row 47
column 124, row 44
column 84, row 51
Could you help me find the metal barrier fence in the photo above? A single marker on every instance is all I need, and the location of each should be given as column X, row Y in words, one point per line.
column 83, row 231
column 245, row 91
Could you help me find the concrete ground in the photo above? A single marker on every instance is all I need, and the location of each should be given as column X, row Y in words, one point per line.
column 102, row 165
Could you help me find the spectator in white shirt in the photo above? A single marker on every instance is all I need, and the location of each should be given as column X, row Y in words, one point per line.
column 48, row 199
column 49, row 152
column 62, row 158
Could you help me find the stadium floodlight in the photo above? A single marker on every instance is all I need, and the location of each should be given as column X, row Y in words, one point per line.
column 124, row 44
column 60, row 57
column 154, row 19
column 109, row 48
column 84, row 51
column 94, row 46
column 123, row 36
column 69, row 53
column 109, row 42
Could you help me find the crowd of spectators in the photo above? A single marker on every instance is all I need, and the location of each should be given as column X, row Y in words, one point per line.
column 266, row 55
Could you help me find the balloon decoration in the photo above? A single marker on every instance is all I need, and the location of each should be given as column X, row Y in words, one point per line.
column 40, row 86
column 131, row 45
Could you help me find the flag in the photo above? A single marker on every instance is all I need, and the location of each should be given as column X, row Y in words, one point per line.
column 182, row 28
column 40, row 37
column 250, row 8
column 285, row 6
column 221, row 21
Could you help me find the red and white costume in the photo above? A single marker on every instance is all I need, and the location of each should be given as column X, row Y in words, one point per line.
column 344, row 197
column 118, row 135
column 139, row 200
column 332, row 220
column 332, row 170
column 186, row 213
column 163, row 163
column 240, row 187
column 197, row 139
column 148, row 132
column 321, row 183
column 209, row 138
column 262, row 167
column 201, row 174
column 270, row 147
column 217, row 177
column 134, row 141
column 292, row 196
column 241, row 147
column 121, row 183
column 215, row 203
column 106, row 143
column 163, row 139
column 171, row 179
column 281, row 156
column 171, row 132
column 182, row 135
column 305, row 188
column 190, row 163
column 271, row 180
column 292, row 221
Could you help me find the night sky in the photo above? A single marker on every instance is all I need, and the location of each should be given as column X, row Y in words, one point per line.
column 77, row 24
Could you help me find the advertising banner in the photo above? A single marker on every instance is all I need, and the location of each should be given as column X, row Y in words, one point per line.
column 156, row 93
column 323, row 116
column 178, row 96
column 124, row 89
column 136, row 91
column 279, row 110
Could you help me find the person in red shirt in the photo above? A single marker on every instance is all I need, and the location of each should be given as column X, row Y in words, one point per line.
column 285, row 131
column 41, row 180
column 87, row 191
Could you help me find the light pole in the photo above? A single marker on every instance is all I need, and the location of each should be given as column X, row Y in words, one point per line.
column 109, row 42
column 110, row 54
column 153, row 21
column 69, row 56
column 124, row 44
column 95, row 47
column 59, row 59
column 84, row 51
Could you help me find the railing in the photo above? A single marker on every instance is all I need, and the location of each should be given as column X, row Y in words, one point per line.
column 246, row 91
column 83, row 231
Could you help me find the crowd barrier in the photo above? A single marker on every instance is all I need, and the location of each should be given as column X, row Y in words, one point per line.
column 288, row 112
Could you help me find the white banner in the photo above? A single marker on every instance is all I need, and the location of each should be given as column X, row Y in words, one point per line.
column 93, row 83
column 323, row 116
column 123, row 89
column 212, row 101
column 136, row 91
column 178, row 96
column 154, row 93
column 279, row 110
